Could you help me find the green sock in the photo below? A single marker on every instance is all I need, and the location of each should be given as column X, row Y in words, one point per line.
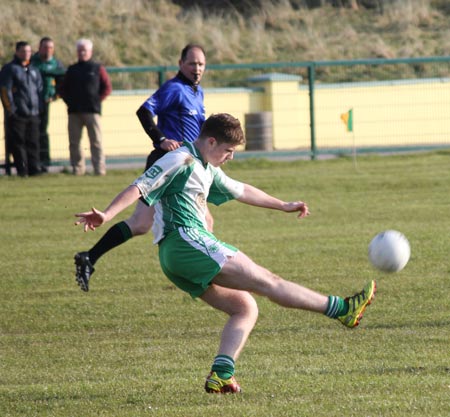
column 337, row 307
column 223, row 366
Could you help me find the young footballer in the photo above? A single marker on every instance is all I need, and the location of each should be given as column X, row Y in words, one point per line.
column 178, row 185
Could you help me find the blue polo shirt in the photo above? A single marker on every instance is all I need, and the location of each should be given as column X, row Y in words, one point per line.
column 180, row 109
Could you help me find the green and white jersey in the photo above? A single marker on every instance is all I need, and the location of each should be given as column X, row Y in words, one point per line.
column 179, row 185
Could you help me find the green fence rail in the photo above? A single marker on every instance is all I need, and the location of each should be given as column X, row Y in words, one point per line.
column 318, row 75
column 399, row 104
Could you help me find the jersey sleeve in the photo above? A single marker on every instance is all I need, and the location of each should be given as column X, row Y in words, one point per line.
column 154, row 182
column 162, row 99
column 224, row 188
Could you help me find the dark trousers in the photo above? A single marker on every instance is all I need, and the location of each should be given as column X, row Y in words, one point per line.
column 44, row 143
column 23, row 143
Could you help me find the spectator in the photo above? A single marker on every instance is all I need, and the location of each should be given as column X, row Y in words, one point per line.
column 85, row 85
column 22, row 99
column 52, row 72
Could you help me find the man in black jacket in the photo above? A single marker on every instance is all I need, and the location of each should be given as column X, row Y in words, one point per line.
column 86, row 84
column 22, row 99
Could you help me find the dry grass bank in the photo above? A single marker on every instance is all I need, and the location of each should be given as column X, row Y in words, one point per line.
column 140, row 32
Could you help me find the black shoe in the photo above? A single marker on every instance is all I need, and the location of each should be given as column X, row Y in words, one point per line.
column 83, row 270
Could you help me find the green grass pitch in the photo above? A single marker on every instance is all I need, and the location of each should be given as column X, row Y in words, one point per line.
column 136, row 346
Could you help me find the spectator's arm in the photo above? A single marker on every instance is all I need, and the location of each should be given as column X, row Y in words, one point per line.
column 6, row 90
column 59, row 78
column 61, row 88
column 105, row 83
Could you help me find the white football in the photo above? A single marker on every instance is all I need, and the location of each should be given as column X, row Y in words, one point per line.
column 389, row 251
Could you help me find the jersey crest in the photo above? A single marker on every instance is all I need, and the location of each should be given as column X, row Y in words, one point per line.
column 153, row 171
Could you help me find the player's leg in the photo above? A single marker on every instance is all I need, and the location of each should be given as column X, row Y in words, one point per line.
column 242, row 311
column 139, row 223
column 209, row 220
column 241, row 273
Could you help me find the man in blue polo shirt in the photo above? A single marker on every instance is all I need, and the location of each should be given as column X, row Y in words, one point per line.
column 179, row 106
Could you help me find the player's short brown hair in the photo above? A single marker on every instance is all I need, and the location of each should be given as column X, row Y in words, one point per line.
column 224, row 127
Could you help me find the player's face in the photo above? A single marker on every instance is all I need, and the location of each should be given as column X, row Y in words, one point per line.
column 194, row 65
column 220, row 153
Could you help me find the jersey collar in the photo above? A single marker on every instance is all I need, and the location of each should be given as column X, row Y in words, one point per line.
column 187, row 81
column 194, row 151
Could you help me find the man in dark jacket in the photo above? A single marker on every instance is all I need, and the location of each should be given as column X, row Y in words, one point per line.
column 22, row 99
column 86, row 84
column 52, row 72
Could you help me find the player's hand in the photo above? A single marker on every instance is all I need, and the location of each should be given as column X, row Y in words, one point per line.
column 299, row 206
column 90, row 219
column 169, row 145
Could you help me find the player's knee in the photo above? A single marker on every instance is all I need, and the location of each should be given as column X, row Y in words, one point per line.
column 142, row 230
column 139, row 226
column 210, row 222
column 249, row 308
column 272, row 285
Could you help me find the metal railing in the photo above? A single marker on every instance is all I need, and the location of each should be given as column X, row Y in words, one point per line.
column 316, row 74
column 400, row 104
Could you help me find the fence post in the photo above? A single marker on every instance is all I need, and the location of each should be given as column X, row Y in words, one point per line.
column 311, row 79
column 161, row 77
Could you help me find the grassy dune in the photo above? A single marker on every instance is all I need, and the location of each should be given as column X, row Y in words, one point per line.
column 139, row 32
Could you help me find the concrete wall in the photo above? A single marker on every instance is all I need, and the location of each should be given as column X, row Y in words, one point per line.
column 385, row 114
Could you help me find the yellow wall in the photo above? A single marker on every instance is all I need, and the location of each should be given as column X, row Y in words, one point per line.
column 388, row 114
column 385, row 114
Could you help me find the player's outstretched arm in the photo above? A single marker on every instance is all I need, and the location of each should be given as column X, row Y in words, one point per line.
column 95, row 218
column 256, row 197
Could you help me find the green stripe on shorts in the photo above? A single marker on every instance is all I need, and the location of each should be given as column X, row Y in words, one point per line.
column 192, row 257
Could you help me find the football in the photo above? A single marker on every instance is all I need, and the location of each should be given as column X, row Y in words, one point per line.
column 389, row 251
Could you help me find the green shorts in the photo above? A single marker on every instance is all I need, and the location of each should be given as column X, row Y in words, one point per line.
column 192, row 257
